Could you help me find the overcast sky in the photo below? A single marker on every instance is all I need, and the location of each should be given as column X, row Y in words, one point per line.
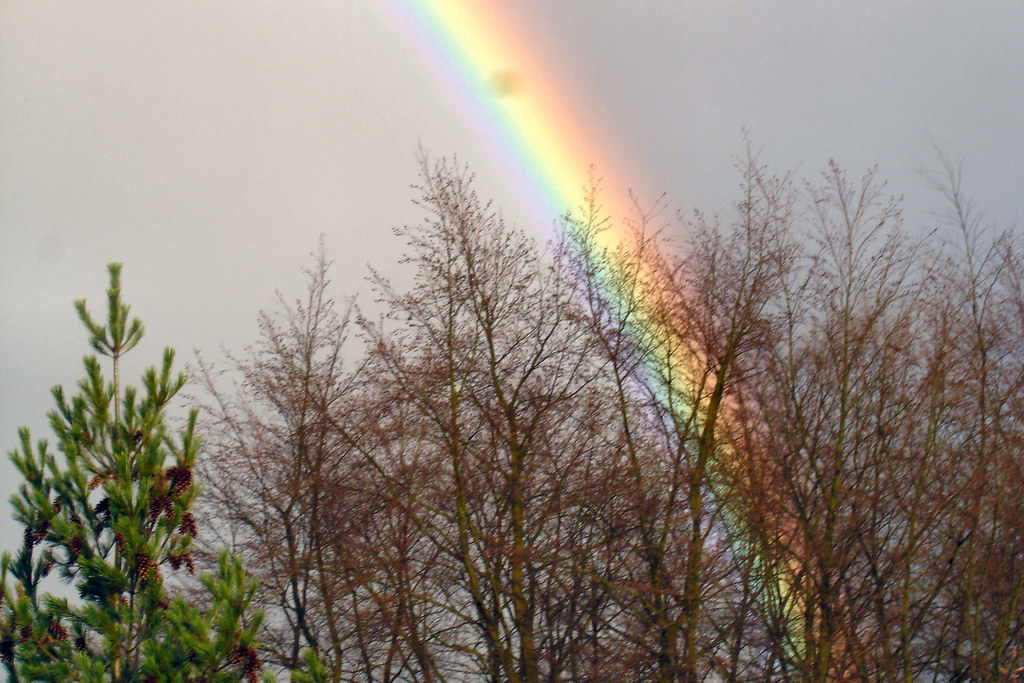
column 206, row 145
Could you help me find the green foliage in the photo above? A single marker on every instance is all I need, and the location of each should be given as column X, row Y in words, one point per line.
column 316, row 671
column 109, row 512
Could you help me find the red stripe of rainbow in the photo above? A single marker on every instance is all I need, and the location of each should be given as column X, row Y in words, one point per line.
column 532, row 134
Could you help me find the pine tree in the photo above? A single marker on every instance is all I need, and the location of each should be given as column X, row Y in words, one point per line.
column 109, row 512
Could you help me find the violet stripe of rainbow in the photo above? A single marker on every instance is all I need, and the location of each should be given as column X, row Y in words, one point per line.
column 503, row 91
column 472, row 47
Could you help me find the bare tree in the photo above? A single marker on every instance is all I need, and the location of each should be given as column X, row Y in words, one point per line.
column 884, row 414
column 676, row 324
column 782, row 446
column 978, row 631
column 273, row 464
column 487, row 373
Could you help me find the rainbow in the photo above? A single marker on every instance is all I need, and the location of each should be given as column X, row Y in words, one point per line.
column 507, row 96
column 509, row 99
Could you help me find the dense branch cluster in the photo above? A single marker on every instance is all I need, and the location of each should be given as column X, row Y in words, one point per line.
column 781, row 445
column 785, row 446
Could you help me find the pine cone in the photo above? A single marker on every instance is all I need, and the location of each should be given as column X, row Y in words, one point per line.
column 188, row 525
column 184, row 559
column 248, row 660
column 147, row 569
column 180, row 478
column 58, row 631
column 159, row 505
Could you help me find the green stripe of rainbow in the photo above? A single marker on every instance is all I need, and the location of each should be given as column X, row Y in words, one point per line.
column 532, row 133
column 530, row 130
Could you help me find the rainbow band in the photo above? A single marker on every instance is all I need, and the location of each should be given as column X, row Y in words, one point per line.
column 505, row 94
column 506, row 97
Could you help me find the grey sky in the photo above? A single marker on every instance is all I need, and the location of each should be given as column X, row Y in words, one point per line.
column 207, row 144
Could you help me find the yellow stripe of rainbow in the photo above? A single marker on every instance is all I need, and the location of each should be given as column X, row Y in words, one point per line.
column 507, row 94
